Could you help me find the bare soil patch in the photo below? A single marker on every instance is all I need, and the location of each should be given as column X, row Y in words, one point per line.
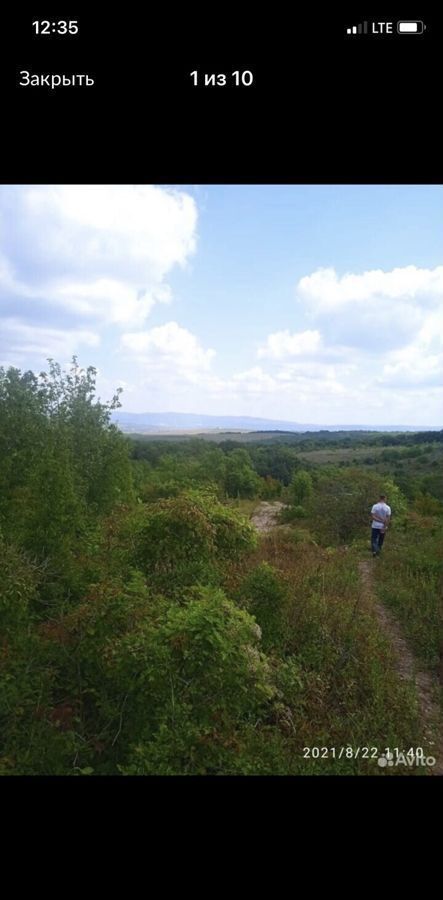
column 265, row 517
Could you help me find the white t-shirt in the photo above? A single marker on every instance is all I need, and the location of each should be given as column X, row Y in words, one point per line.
column 383, row 510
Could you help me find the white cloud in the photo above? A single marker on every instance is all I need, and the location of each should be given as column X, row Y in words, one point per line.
column 411, row 368
column 252, row 381
column 430, row 336
column 377, row 312
column 324, row 290
column 283, row 344
column 419, row 363
column 169, row 347
column 373, row 351
column 20, row 342
column 144, row 225
column 93, row 252
column 112, row 301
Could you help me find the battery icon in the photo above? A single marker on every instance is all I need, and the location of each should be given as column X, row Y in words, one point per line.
column 410, row 27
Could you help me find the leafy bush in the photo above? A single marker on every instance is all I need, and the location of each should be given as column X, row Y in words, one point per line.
column 200, row 679
column 265, row 596
column 182, row 541
column 28, row 744
column 426, row 505
column 18, row 588
column 293, row 513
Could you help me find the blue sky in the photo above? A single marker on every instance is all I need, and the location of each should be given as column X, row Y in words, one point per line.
column 311, row 303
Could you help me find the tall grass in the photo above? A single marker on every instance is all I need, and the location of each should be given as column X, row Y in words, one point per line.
column 349, row 693
column 409, row 580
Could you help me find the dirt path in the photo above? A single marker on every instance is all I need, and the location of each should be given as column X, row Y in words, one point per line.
column 265, row 516
column 407, row 668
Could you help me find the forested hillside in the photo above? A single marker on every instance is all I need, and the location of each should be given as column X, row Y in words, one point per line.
column 147, row 626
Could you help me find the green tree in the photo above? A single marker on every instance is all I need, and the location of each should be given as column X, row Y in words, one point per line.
column 301, row 488
column 241, row 479
column 63, row 465
column 270, row 488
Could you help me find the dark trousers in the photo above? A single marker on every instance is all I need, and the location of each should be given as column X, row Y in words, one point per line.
column 377, row 538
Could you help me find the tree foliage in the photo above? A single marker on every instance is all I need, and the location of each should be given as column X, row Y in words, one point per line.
column 300, row 489
column 63, row 462
column 241, row 480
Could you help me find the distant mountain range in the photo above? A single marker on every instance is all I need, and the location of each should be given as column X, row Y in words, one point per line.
column 162, row 422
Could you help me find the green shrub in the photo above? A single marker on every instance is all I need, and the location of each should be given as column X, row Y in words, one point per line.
column 18, row 589
column 200, row 680
column 265, row 596
column 426, row 505
column 183, row 540
column 292, row 513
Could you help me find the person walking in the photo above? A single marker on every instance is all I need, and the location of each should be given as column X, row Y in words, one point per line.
column 381, row 515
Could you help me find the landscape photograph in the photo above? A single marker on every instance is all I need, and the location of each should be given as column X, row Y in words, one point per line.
column 221, row 480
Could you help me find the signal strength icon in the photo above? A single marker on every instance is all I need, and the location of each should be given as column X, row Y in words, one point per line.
column 362, row 28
